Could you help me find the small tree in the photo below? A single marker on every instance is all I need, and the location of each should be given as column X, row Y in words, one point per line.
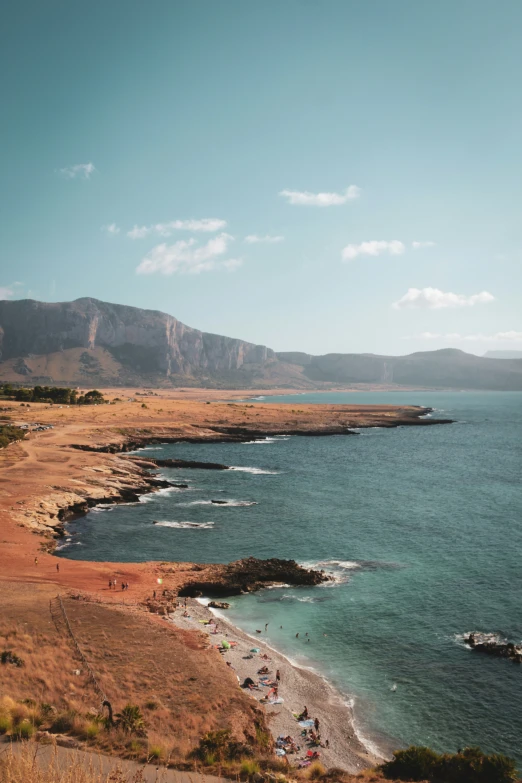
column 131, row 720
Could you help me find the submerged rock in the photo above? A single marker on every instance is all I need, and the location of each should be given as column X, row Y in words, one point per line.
column 491, row 644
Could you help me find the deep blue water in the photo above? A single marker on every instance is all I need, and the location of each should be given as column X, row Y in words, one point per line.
column 424, row 527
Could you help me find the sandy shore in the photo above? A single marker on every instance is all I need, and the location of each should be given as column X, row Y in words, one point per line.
column 298, row 687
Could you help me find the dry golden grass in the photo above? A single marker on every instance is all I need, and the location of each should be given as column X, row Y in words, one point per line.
column 180, row 686
column 24, row 766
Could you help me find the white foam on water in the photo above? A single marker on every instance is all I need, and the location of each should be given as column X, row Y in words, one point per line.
column 164, row 491
column 303, row 600
column 185, row 525
column 68, row 543
column 232, row 503
column 255, row 471
column 264, row 440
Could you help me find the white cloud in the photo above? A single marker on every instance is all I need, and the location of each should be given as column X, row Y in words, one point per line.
column 254, row 239
column 186, row 257
column 82, row 170
column 374, row 247
column 139, row 232
column 112, row 229
column 507, row 337
column 305, row 198
column 434, row 299
column 6, row 292
column 418, row 245
column 206, row 225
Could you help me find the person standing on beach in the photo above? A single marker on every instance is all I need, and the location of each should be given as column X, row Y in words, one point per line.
column 58, row 567
column 278, row 676
column 316, row 724
column 36, row 561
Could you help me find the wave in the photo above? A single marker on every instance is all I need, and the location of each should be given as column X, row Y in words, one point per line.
column 306, row 599
column 68, row 543
column 263, row 440
column 345, row 565
column 164, row 491
column 185, row 525
column 256, row 471
column 221, row 503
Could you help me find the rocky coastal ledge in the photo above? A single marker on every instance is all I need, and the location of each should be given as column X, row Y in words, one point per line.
column 249, row 575
column 491, row 644
column 413, row 416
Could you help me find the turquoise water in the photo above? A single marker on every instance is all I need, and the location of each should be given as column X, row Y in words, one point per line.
column 422, row 528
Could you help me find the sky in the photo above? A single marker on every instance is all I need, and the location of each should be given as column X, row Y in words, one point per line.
column 336, row 176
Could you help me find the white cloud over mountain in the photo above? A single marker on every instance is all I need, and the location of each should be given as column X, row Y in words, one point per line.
column 508, row 337
column 187, row 257
column 305, row 198
column 435, row 299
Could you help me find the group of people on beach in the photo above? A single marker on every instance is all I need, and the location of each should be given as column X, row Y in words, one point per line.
column 310, row 736
column 113, row 585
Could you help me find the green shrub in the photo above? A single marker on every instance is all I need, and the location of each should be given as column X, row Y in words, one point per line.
column 131, row 720
column 316, row 770
column 249, row 767
column 151, row 705
column 221, row 746
column 24, row 731
column 63, row 723
column 470, row 765
column 91, row 731
column 5, row 724
column 8, row 656
column 156, row 752
column 135, row 747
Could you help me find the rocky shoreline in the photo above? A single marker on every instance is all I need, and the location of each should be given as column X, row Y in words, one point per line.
column 413, row 417
column 138, row 480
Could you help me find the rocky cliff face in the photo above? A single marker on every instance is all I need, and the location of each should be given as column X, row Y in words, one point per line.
column 145, row 340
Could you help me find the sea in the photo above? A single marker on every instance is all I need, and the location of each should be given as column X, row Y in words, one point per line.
column 421, row 529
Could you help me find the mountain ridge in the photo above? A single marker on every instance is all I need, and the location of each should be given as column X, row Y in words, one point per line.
column 90, row 342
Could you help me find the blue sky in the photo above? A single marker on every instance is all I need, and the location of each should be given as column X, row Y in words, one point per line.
column 371, row 151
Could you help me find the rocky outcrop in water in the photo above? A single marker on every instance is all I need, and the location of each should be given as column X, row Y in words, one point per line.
column 251, row 574
column 491, row 644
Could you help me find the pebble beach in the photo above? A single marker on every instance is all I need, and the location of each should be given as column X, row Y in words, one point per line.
column 298, row 688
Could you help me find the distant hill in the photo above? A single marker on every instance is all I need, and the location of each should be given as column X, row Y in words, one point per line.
column 503, row 355
column 93, row 343
column 448, row 368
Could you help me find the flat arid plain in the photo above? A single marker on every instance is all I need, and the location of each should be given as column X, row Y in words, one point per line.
column 82, row 640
